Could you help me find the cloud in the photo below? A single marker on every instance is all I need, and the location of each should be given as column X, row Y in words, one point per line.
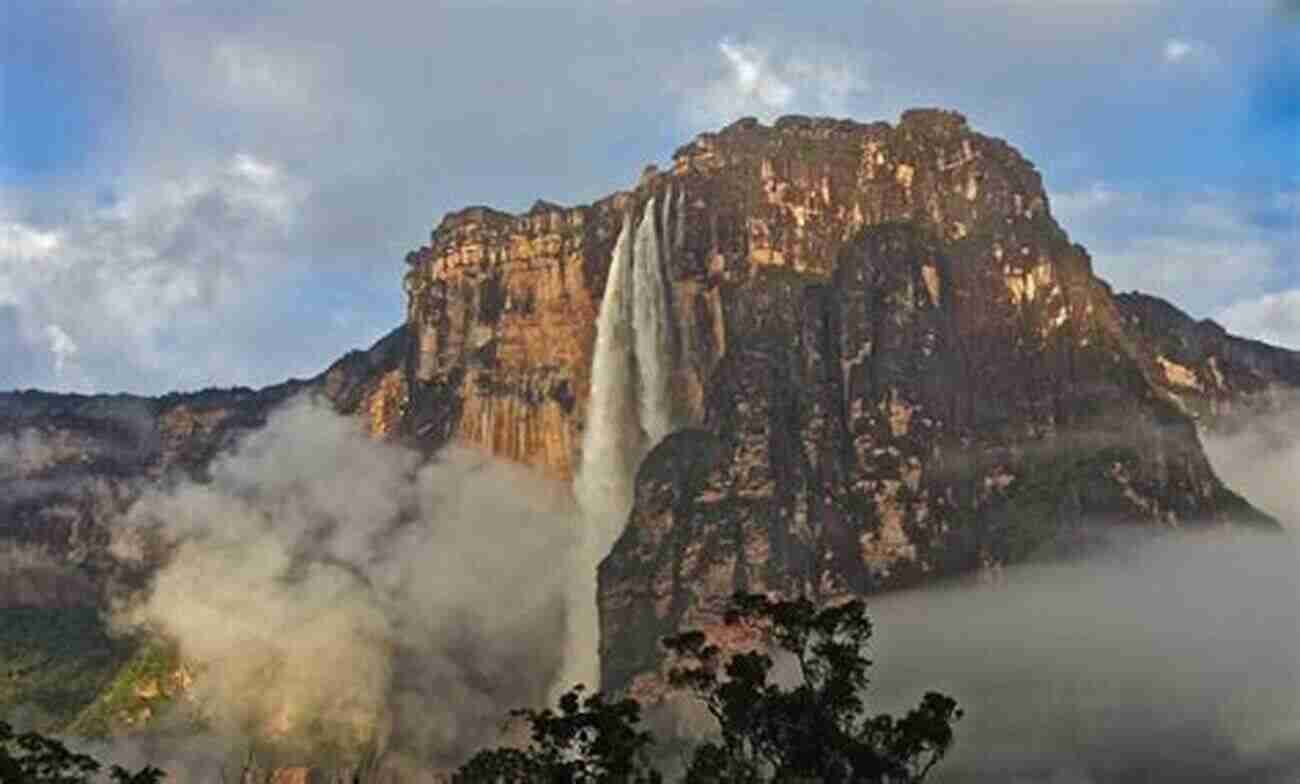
column 1177, row 50
column 1202, row 250
column 133, row 284
column 753, row 81
column 24, row 452
column 1169, row 664
column 339, row 592
column 1273, row 318
column 1169, row 660
column 245, row 73
column 573, row 100
column 1190, row 55
column 1259, row 457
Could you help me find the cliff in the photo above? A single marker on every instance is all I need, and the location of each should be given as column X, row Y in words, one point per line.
column 895, row 363
column 887, row 364
column 1216, row 378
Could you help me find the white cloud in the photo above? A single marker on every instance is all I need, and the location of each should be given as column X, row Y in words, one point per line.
column 752, row 78
column 1176, row 50
column 129, row 285
column 755, row 81
column 1273, row 318
column 248, row 72
column 501, row 103
column 1201, row 250
column 1189, row 54
column 61, row 346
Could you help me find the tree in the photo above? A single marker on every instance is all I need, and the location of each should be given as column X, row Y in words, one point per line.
column 31, row 758
column 819, row 729
column 590, row 740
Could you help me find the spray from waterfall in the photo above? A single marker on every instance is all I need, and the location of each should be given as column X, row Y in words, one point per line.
column 630, row 410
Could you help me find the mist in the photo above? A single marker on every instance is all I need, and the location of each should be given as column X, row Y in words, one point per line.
column 1260, row 458
column 342, row 593
column 1173, row 659
column 1177, row 663
column 338, row 593
column 24, row 452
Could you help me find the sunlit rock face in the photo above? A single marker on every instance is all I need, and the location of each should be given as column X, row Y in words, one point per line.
column 907, row 368
column 502, row 308
column 909, row 417
column 881, row 361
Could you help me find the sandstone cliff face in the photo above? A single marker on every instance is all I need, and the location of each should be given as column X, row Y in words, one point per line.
column 502, row 308
column 898, row 426
column 890, row 362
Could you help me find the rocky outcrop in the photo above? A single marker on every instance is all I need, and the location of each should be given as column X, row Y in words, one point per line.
column 908, row 419
column 70, row 464
column 1218, row 379
column 888, row 363
column 900, row 363
column 502, row 308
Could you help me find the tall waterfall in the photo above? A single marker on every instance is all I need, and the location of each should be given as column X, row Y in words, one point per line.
column 651, row 324
column 611, row 444
column 630, row 410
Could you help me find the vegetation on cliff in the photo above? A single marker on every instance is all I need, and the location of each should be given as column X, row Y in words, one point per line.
column 55, row 660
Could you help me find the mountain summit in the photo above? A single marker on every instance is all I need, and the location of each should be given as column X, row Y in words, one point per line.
column 850, row 357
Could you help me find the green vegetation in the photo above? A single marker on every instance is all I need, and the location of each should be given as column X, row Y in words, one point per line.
column 61, row 671
column 783, row 277
column 1052, row 491
column 32, row 758
column 587, row 740
column 142, row 683
column 53, row 662
column 816, row 730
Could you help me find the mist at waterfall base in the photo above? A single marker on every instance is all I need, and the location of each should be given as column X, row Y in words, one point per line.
column 336, row 592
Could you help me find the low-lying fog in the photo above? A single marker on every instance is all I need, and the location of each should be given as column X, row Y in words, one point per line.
column 330, row 581
column 1179, row 662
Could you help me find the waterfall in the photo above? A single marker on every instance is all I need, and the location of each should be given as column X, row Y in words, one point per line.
column 651, row 324
column 611, row 444
column 629, row 411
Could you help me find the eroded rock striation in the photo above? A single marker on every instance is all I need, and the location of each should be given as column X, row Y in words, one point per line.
column 885, row 360
column 895, row 365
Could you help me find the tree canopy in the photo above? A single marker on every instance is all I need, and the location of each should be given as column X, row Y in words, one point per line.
column 818, row 729
column 32, row 758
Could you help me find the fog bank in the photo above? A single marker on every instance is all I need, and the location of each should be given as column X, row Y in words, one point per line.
column 1176, row 661
column 338, row 592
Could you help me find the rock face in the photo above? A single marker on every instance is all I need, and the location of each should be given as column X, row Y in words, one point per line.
column 502, row 308
column 69, row 464
column 897, row 365
column 1216, row 378
column 889, row 362
column 896, row 426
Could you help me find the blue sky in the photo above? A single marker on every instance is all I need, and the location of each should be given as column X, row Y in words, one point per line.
column 202, row 193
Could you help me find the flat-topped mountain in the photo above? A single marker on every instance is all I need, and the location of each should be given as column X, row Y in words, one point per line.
column 837, row 358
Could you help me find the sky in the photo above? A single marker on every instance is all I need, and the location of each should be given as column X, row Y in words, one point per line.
column 222, row 193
